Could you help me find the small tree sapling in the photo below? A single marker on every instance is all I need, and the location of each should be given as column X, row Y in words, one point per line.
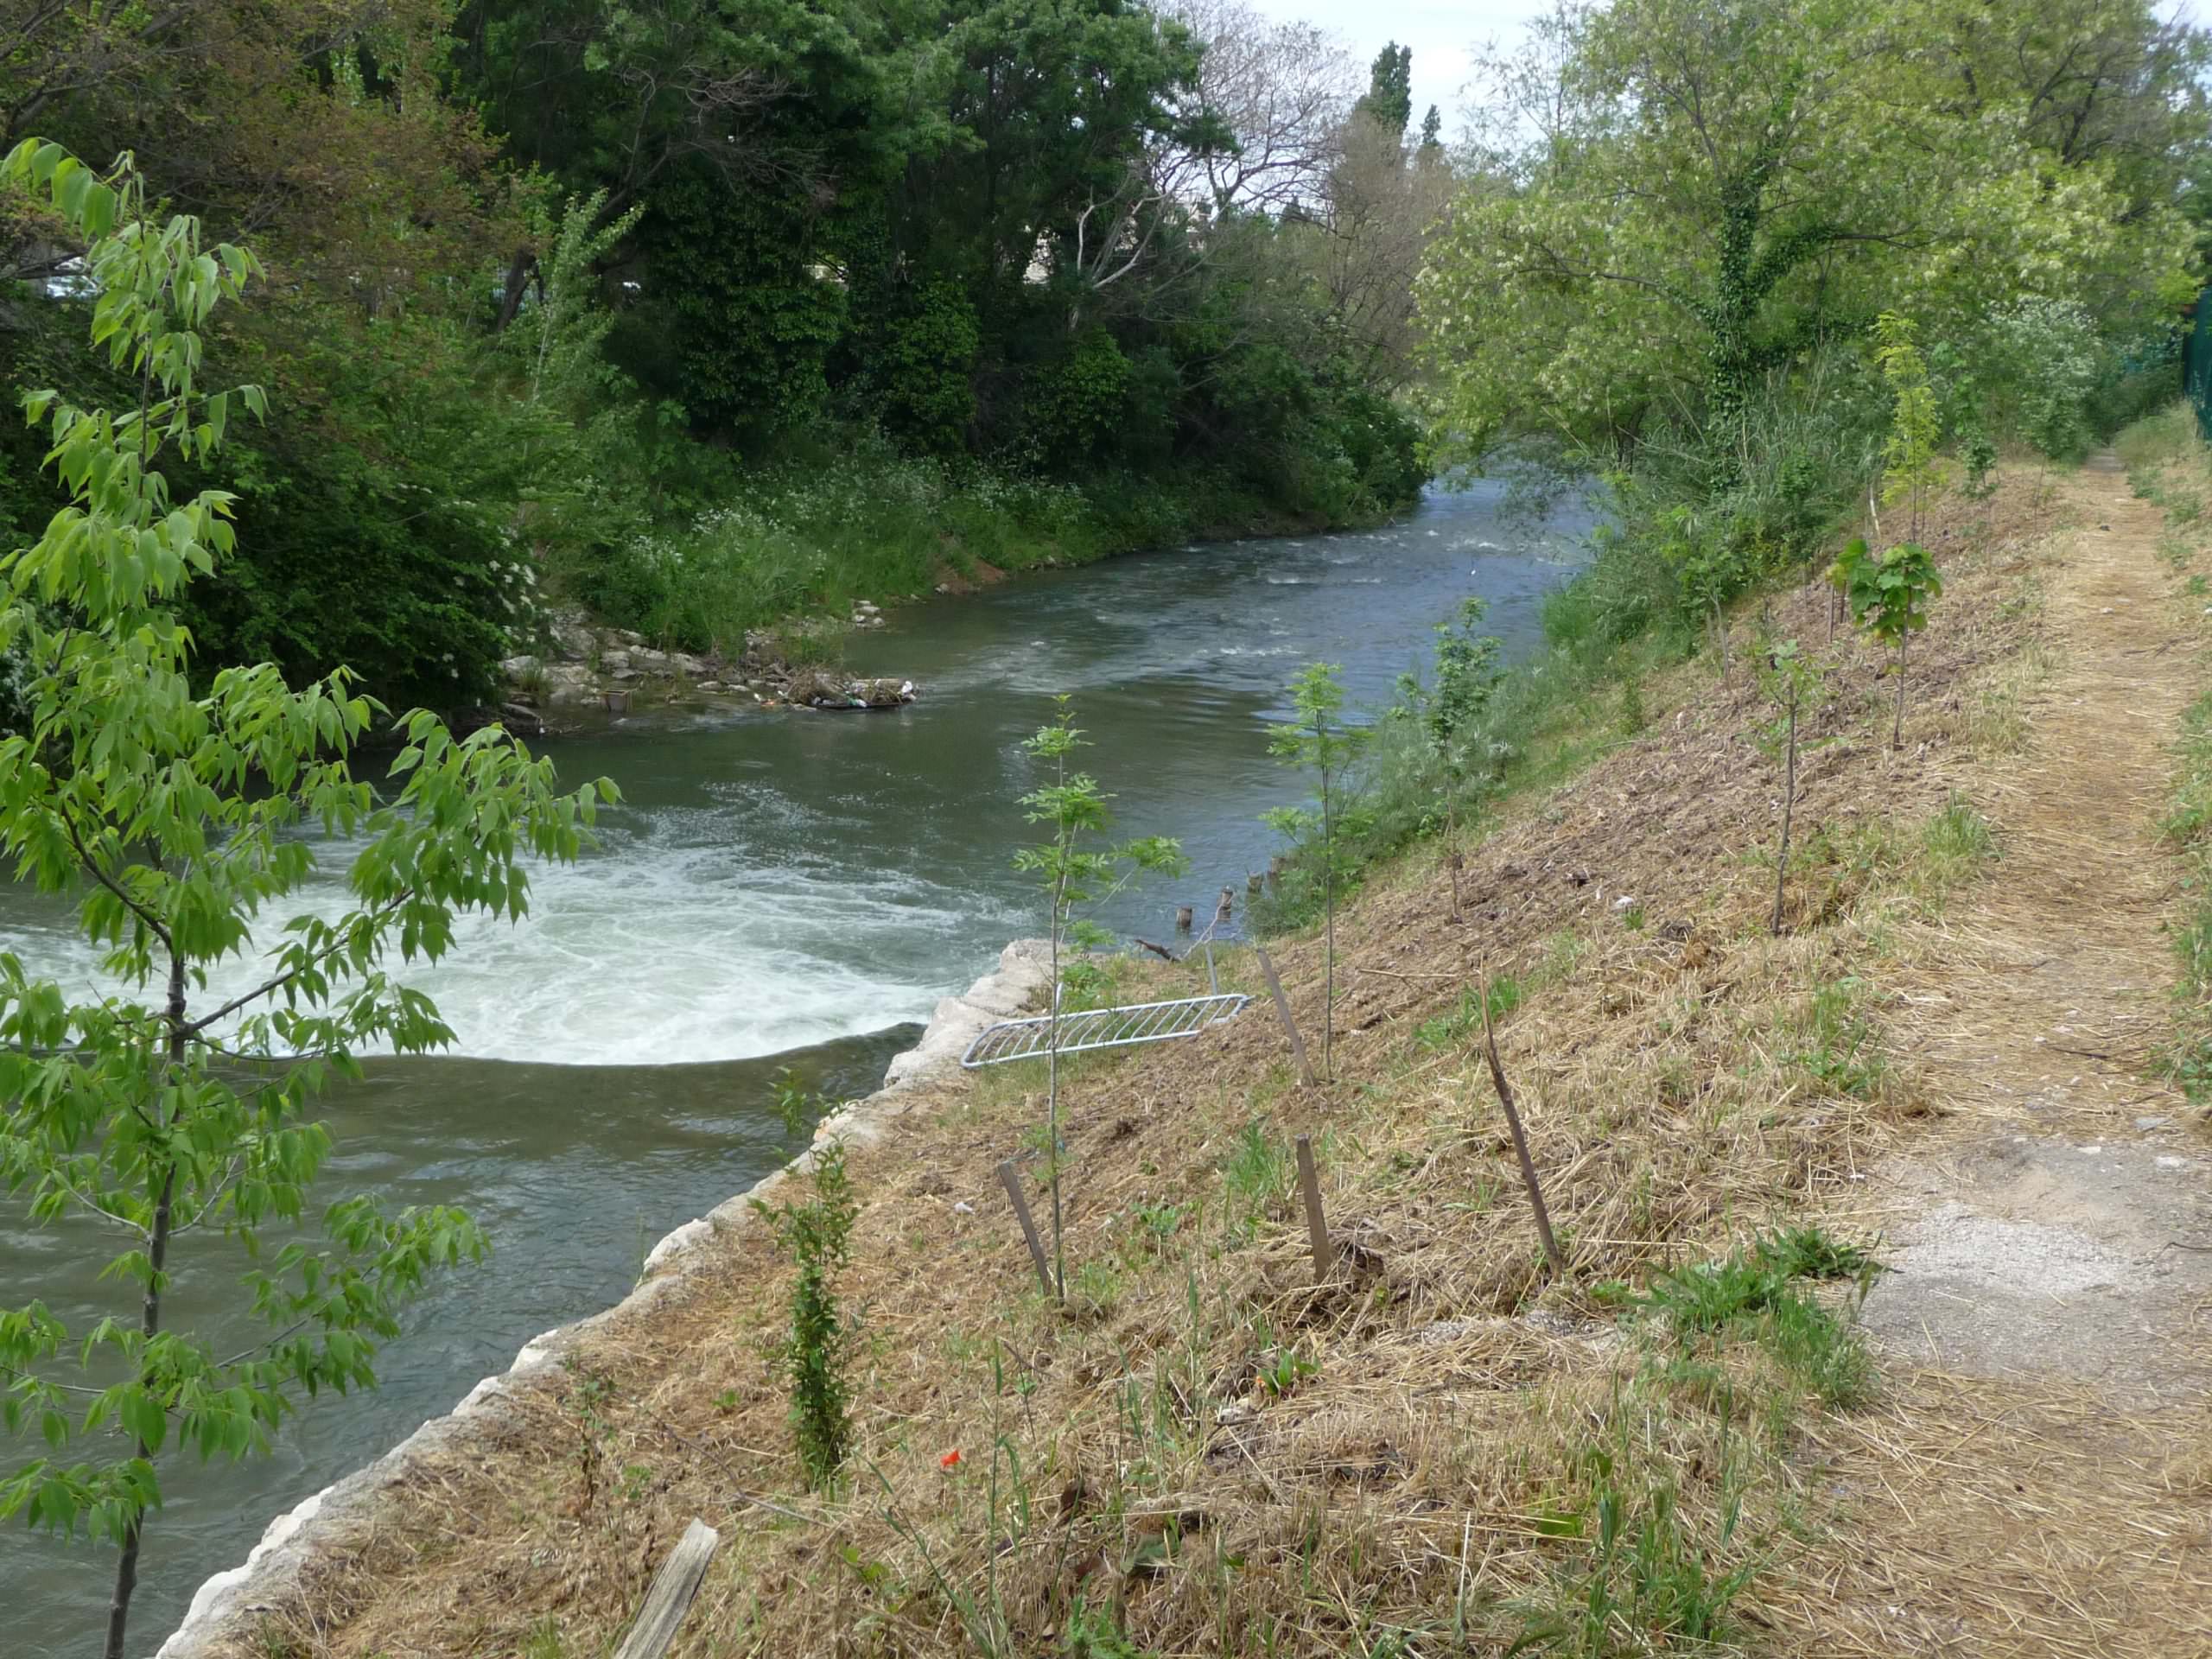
column 1320, row 741
column 1075, row 875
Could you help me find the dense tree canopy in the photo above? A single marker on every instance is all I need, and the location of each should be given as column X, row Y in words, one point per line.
column 1697, row 193
column 1064, row 238
column 1056, row 241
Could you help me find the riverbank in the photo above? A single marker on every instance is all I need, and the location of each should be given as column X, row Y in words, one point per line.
column 770, row 888
column 777, row 572
column 1439, row 1442
column 762, row 595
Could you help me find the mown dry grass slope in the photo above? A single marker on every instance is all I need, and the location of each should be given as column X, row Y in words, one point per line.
column 1439, row 1448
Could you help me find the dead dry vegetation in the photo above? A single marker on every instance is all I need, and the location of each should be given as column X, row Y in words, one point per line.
column 1684, row 1445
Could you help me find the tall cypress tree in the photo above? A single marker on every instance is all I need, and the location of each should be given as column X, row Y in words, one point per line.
column 1389, row 98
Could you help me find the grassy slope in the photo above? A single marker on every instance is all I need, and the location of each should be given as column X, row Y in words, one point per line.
column 2169, row 465
column 1438, row 1449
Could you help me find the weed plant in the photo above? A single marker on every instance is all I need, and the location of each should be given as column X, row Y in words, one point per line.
column 815, row 1351
column 1839, row 1048
column 1754, row 1291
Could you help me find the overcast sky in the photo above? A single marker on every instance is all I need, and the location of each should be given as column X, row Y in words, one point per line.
column 1445, row 37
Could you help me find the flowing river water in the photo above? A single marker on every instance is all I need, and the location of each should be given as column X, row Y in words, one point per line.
column 778, row 889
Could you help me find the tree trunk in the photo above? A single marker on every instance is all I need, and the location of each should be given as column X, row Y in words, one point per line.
column 520, row 269
column 149, row 1326
column 1789, row 804
column 1328, row 929
column 1052, row 1083
column 1897, row 726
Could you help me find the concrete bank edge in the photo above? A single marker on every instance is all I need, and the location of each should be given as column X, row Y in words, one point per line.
column 222, row 1605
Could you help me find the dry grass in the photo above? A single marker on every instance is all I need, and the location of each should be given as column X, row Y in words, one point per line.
column 1430, row 1475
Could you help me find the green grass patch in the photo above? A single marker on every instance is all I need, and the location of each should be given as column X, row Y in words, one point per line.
column 1647, row 1584
column 1956, row 845
column 1755, row 1291
column 1255, row 1174
column 1837, row 1046
column 1462, row 1024
column 805, row 536
column 2169, row 435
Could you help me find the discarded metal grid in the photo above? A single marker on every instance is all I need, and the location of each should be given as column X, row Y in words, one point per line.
column 1138, row 1022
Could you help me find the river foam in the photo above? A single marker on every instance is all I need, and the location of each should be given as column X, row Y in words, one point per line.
column 655, row 950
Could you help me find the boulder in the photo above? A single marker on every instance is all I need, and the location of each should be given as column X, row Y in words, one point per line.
column 566, row 682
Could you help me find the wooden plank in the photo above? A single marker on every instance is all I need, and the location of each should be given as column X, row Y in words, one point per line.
column 1520, row 1140
column 1283, row 1012
column 669, row 1598
column 1010, row 1178
column 1317, row 1225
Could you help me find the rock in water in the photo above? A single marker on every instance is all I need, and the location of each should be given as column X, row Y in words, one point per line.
column 816, row 690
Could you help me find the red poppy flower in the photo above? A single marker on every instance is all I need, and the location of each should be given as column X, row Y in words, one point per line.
column 951, row 1460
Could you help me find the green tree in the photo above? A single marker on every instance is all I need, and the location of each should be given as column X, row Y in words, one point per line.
column 1465, row 674
column 2046, row 363
column 816, row 1348
column 1320, row 741
column 1077, row 874
column 1716, row 189
column 1390, row 100
column 1889, row 593
column 170, row 1110
column 1432, row 136
column 1910, row 472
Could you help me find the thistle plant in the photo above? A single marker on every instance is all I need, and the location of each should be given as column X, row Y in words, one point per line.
column 1077, row 870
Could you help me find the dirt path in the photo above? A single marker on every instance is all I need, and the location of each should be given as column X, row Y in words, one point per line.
column 2039, row 1471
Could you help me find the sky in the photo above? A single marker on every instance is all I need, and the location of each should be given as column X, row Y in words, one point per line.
column 1445, row 38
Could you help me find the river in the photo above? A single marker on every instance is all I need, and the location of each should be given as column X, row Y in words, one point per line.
column 776, row 888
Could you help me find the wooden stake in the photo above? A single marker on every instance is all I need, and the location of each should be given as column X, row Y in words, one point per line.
column 1182, row 919
column 669, row 1598
column 1225, row 908
column 1519, row 1141
column 1282, row 1013
column 1010, row 1178
column 1317, row 1225
column 1252, row 885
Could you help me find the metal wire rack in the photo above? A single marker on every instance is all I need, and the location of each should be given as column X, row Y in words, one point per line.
column 1136, row 1022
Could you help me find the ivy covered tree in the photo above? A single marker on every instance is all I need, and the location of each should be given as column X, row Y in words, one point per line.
column 172, row 1111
